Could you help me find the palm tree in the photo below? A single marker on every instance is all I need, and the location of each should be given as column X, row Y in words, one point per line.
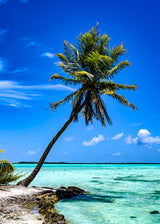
column 91, row 67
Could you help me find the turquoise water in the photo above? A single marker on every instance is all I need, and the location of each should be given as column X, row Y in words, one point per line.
column 118, row 194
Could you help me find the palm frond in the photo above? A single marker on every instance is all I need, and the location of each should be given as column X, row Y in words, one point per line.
column 66, row 81
column 103, row 46
column 78, row 103
column 120, row 99
column 66, row 69
column 85, row 74
column 94, row 58
column 117, row 51
column 123, row 87
column 76, row 52
column 121, row 66
column 53, row 106
column 105, row 85
column 88, row 111
column 102, row 108
column 88, row 41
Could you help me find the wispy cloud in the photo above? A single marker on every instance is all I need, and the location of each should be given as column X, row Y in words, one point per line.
column 7, row 84
column 48, row 55
column 137, row 124
column 15, row 95
column 19, row 70
column 90, row 128
column 32, row 152
column 37, row 46
column 143, row 138
column 11, row 92
column 68, row 139
column 117, row 154
column 118, row 136
column 31, row 42
column 94, row 141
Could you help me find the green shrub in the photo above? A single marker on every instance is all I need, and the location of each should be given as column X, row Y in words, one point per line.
column 7, row 174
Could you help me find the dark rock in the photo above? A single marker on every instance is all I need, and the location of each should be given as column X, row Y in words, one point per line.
column 154, row 212
column 46, row 204
column 133, row 217
column 69, row 192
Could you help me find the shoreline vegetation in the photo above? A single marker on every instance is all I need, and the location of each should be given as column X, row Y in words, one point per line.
column 19, row 204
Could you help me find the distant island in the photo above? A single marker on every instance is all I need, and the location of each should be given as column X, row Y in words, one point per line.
column 33, row 162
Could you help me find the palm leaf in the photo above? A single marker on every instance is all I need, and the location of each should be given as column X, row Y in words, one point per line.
column 105, row 85
column 54, row 106
column 117, row 51
column 120, row 99
column 85, row 74
column 117, row 68
column 66, row 81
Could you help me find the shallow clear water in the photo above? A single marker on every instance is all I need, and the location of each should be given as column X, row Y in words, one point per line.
column 118, row 194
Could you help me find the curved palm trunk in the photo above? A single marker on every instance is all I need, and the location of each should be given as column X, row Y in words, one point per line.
column 30, row 178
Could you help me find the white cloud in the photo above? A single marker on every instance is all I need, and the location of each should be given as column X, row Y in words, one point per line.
column 118, row 136
column 11, row 91
column 117, row 154
column 48, row 54
column 143, row 133
column 68, row 139
column 94, row 141
column 143, row 137
column 32, row 152
column 158, row 150
column 129, row 139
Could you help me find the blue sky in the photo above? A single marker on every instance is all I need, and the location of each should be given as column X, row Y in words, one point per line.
column 31, row 33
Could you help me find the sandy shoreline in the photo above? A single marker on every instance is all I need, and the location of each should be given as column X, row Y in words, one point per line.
column 19, row 205
column 33, row 205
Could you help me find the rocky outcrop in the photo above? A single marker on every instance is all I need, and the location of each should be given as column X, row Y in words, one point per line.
column 46, row 203
column 69, row 192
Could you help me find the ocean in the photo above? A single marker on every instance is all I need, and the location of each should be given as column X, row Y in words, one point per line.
column 117, row 193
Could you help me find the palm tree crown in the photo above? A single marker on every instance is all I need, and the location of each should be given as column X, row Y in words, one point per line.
column 91, row 67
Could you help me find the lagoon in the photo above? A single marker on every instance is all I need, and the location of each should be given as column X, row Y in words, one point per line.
column 117, row 193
